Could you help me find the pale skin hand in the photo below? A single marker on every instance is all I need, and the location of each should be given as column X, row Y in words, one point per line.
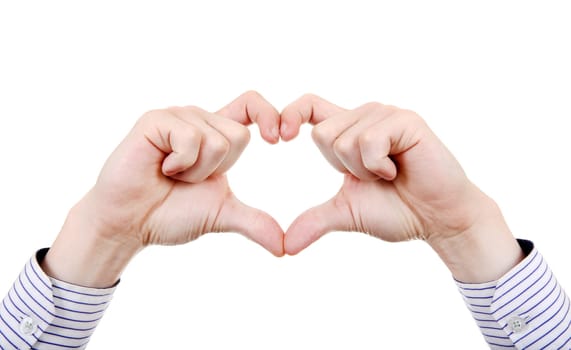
column 165, row 184
column 401, row 183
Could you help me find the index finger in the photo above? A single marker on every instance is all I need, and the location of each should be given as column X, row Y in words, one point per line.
column 310, row 109
column 251, row 107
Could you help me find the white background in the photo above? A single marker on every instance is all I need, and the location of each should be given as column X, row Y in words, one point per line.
column 493, row 79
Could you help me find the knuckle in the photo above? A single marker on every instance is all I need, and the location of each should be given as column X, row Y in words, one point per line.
column 220, row 147
column 367, row 139
column 308, row 97
column 191, row 110
column 412, row 117
column 391, row 109
column 236, row 131
column 174, row 109
column 240, row 137
column 373, row 107
column 252, row 95
column 151, row 118
column 192, row 135
column 343, row 147
column 153, row 115
column 186, row 112
column 320, row 135
column 243, row 135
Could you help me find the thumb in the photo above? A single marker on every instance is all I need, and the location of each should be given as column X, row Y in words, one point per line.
column 253, row 223
column 333, row 215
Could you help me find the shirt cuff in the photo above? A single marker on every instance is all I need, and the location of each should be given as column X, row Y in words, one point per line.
column 525, row 309
column 40, row 311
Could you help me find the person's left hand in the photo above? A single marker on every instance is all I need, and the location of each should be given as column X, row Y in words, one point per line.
column 401, row 183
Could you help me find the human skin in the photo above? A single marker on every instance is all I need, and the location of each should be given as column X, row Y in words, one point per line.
column 165, row 184
column 401, row 183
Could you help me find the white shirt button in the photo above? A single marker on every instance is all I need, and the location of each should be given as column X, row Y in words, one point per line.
column 28, row 326
column 517, row 324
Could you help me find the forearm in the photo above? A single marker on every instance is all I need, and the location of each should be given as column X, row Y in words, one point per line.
column 83, row 256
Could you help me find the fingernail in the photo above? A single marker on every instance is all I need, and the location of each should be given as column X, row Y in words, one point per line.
column 283, row 128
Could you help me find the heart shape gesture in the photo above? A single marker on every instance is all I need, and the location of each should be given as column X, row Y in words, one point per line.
column 165, row 184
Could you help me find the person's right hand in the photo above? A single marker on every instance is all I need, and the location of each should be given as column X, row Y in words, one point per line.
column 165, row 184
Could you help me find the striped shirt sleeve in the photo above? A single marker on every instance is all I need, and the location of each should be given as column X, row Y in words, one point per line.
column 40, row 312
column 525, row 309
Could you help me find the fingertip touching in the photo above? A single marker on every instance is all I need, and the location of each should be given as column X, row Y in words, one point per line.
column 265, row 231
column 252, row 107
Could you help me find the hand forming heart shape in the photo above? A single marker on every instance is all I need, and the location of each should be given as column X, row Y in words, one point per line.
column 165, row 183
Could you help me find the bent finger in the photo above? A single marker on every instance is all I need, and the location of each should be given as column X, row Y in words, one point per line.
column 310, row 109
column 251, row 107
column 347, row 146
column 211, row 153
column 390, row 137
column 236, row 134
column 178, row 140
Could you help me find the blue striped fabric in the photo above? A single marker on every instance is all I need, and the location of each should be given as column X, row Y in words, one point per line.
column 525, row 309
column 40, row 312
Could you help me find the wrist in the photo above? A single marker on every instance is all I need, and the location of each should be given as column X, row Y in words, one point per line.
column 485, row 251
column 84, row 255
